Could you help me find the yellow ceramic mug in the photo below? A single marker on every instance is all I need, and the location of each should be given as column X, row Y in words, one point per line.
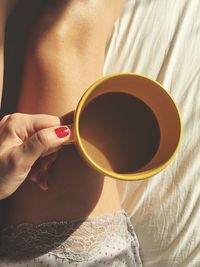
column 127, row 126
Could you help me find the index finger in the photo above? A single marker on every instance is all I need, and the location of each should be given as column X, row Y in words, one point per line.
column 19, row 126
column 38, row 122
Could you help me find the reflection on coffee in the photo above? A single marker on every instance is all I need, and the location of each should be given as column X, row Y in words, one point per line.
column 119, row 132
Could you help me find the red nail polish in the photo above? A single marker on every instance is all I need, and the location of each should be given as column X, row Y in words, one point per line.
column 62, row 132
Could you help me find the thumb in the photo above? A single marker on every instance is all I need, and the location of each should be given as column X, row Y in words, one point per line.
column 42, row 141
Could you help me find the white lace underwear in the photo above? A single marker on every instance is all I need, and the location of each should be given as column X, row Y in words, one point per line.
column 107, row 240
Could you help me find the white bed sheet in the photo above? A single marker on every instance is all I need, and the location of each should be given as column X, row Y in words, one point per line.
column 161, row 39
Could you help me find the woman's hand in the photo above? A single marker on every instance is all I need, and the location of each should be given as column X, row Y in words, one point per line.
column 24, row 142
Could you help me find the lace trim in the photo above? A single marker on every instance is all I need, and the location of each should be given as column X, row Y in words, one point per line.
column 79, row 239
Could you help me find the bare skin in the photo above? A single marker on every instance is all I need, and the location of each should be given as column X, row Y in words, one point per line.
column 5, row 8
column 2, row 29
column 64, row 57
column 2, row 32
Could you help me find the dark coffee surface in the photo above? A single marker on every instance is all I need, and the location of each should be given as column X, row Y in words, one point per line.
column 119, row 132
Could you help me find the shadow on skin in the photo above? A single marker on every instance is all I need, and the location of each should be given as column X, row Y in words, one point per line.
column 80, row 194
column 75, row 198
column 18, row 28
column 74, row 188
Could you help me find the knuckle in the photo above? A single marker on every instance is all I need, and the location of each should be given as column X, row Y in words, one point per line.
column 4, row 119
column 13, row 117
column 42, row 139
column 4, row 123
column 9, row 129
column 11, row 122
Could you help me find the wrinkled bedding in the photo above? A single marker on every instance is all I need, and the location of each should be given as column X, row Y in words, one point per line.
column 161, row 39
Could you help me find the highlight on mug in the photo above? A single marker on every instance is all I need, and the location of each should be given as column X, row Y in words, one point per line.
column 127, row 126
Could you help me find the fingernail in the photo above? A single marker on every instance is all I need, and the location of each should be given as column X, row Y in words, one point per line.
column 51, row 159
column 43, row 183
column 35, row 171
column 33, row 178
column 62, row 131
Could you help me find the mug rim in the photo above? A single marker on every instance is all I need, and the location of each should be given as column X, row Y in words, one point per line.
column 125, row 176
